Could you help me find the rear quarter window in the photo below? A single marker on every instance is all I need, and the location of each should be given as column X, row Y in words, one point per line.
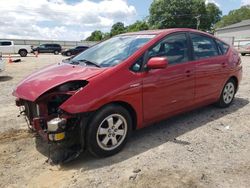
column 223, row 47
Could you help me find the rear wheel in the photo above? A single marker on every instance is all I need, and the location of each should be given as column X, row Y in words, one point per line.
column 227, row 95
column 243, row 54
column 23, row 53
column 68, row 54
column 108, row 131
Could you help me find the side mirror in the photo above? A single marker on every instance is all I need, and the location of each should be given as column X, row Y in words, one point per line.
column 157, row 63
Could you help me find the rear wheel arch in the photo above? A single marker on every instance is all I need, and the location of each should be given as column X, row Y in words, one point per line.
column 235, row 79
column 23, row 50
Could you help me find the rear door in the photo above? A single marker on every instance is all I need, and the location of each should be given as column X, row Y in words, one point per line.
column 50, row 48
column 167, row 91
column 210, row 65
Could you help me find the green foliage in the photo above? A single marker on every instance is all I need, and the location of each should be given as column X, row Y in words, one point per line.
column 117, row 28
column 213, row 15
column 183, row 13
column 234, row 16
column 138, row 26
column 95, row 36
column 169, row 14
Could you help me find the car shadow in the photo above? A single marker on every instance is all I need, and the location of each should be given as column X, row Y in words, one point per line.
column 153, row 136
column 5, row 78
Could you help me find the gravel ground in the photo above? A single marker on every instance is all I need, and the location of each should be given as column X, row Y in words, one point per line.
column 208, row 147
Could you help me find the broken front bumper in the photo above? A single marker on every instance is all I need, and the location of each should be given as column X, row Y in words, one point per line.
column 52, row 131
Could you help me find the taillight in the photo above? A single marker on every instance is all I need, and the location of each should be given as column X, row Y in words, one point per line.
column 239, row 62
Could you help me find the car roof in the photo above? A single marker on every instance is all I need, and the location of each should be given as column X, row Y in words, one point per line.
column 166, row 31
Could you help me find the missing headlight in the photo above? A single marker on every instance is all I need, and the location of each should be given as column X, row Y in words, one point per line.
column 72, row 85
column 54, row 103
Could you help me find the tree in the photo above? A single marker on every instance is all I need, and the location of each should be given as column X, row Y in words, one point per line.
column 95, row 36
column 234, row 16
column 213, row 14
column 117, row 28
column 183, row 13
column 138, row 26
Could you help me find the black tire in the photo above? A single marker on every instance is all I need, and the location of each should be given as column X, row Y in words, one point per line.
column 68, row 53
column 93, row 138
column 243, row 54
column 23, row 53
column 223, row 102
column 56, row 52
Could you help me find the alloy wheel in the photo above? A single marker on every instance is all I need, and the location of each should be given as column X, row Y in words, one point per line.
column 228, row 93
column 111, row 132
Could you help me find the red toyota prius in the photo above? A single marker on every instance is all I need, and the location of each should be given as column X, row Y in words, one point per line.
column 93, row 101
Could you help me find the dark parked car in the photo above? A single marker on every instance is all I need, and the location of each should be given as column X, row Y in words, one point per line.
column 48, row 48
column 74, row 51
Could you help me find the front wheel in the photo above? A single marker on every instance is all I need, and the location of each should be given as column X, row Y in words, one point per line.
column 227, row 95
column 243, row 54
column 108, row 131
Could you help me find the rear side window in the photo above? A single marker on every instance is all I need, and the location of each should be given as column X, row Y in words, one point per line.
column 223, row 47
column 174, row 48
column 204, row 47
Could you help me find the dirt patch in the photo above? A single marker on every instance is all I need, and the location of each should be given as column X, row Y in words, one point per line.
column 208, row 147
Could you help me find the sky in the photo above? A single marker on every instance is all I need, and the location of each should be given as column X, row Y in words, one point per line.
column 76, row 19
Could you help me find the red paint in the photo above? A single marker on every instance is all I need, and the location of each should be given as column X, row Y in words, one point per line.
column 153, row 94
column 157, row 63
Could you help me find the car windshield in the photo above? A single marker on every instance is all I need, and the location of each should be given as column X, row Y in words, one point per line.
column 111, row 52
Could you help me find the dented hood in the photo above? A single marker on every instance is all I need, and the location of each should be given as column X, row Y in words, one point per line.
column 39, row 82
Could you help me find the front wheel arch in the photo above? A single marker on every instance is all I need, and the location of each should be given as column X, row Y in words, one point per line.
column 87, row 117
column 92, row 126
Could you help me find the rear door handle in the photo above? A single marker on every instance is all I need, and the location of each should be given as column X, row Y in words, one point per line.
column 188, row 73
column 224, row 65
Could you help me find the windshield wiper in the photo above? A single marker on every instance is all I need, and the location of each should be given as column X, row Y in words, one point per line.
column 77, row 62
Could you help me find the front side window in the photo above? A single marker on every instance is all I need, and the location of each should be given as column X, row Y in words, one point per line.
column 204, row 47
column 112, row 51
column 5, row 43
column 174, row 48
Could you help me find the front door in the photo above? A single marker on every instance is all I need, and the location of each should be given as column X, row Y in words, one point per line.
column 167, row 91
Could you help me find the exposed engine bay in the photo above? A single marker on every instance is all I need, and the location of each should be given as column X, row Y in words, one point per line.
column 60, row 129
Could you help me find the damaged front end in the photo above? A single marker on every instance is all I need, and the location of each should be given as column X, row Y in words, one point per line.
column 61, row 130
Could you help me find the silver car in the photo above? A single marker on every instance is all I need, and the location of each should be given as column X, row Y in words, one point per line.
column 243, row 50
column 2, row 63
